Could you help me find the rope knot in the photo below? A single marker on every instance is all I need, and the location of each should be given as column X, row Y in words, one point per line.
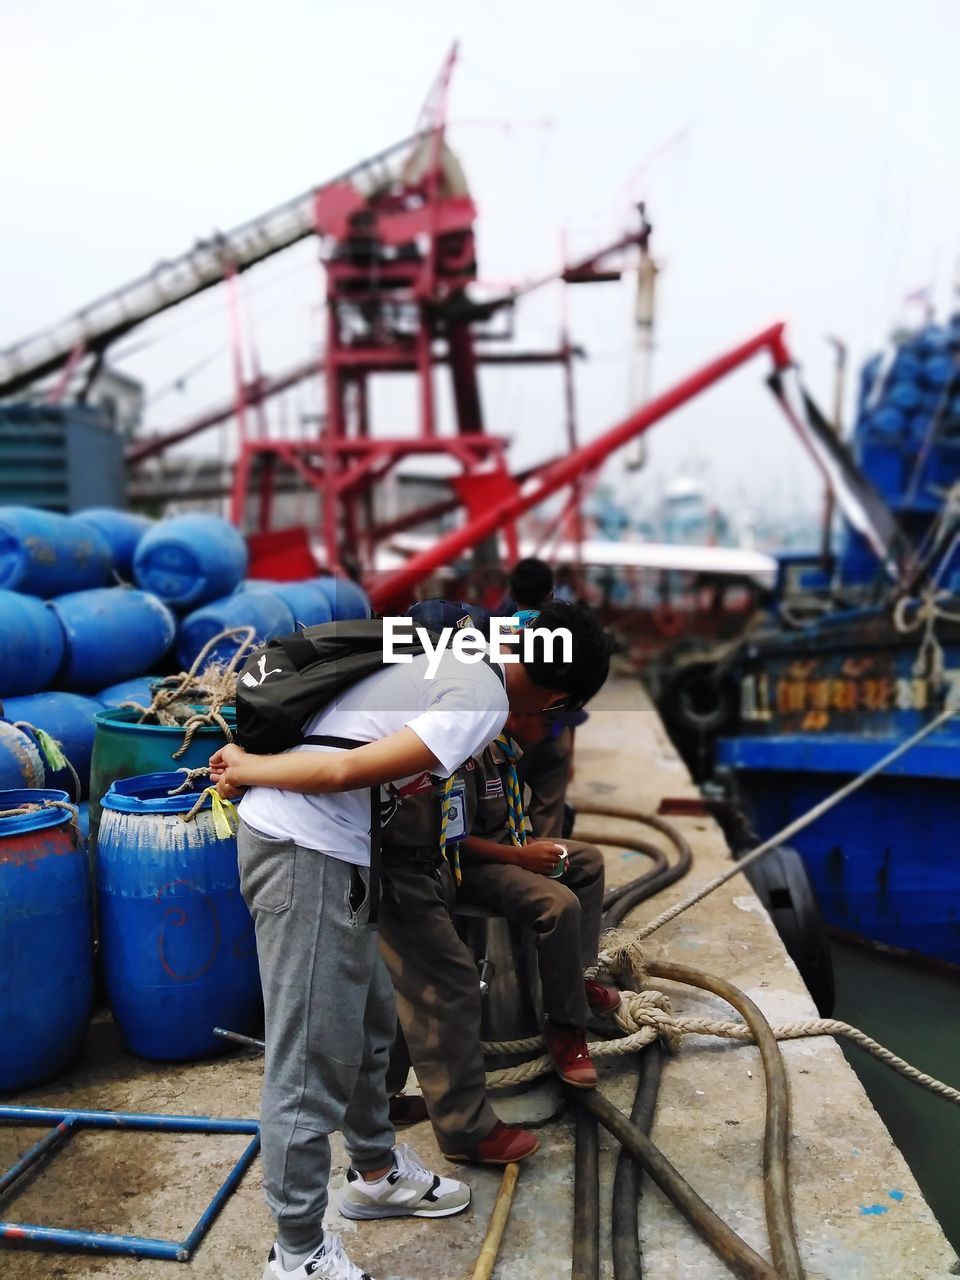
column 639, row 1009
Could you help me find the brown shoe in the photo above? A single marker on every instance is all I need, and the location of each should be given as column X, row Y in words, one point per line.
column 567, row 1047
column 406, row 1109
column 601, row 999
column 504, row 1144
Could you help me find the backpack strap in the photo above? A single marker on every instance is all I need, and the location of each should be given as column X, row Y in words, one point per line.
column 350, row 744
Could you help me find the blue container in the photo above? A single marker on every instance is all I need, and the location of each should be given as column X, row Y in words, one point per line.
column 179, row 951
column 46, row 941
column 190, row 560
column 307, row 601
column 904, row 395
column 938, row 370
column 122, row 530
column 888, row 421
column 112, row 634
column 907, row 367
column 33, row 645
column 43, row 554
column 70, row 720
column 346, row 599
column 263, row 610
column 21, row 764
column 139, row 691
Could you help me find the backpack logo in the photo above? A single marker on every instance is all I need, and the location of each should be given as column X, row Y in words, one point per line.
column 250, row 680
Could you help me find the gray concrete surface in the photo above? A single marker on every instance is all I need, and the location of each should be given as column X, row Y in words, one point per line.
column 860, row 1215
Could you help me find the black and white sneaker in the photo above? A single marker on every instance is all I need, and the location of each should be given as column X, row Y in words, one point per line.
column 409, row 1189
column 329, row 1262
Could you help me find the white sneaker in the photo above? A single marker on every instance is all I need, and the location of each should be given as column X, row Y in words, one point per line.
column 329, row 1262
column 408, row 1189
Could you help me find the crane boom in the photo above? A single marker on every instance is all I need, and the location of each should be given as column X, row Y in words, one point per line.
column 170, row 282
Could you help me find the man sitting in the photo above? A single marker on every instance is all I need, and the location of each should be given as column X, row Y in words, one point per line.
column 553, row 887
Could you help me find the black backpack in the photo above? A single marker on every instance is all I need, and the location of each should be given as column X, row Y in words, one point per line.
column 288, row 680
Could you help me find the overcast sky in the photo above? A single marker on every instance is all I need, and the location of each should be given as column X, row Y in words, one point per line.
column 797, row 165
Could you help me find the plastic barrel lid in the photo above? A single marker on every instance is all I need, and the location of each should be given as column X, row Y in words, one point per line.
column 41, row 818
column 150, row 793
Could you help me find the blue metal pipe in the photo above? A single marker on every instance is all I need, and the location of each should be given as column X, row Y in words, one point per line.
column 100, row 1242
column 128, row 1120
column 47, row 1143
column 218, row 1201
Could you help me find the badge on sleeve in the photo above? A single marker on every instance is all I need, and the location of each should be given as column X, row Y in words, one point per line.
column 456, row 818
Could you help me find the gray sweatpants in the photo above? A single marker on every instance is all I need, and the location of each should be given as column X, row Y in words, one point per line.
column 330, row 1019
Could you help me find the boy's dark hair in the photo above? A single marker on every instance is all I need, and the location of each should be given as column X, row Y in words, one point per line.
column 584, row 675
column 531, row 583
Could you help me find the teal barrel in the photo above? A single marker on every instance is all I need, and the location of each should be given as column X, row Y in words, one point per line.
column 46, row 939
column 112, row 633
column 124, row 748
column 21, row 764
column 346, row 599
column 190, row 560
column 263, row 610
column 122, row 530
column 43, row 553
column 32, row 644
column 68, row 718
column 178, row 944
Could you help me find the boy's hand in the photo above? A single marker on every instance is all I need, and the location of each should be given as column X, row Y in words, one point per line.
column 225, row 766
column 540, row 856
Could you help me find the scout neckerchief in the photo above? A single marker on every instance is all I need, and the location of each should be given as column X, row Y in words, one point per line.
column 515, row 819
column 444, row 820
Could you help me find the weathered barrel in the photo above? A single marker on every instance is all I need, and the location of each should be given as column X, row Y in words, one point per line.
column 124, row 748
column 43, row 553
column 190, row 560
column 21, row 764
column 179, row 951
column 346, row 599
column 139, row 690
column 33, row 644
column 307, row 602
column 263, row 610
column 122, row 530
column 68, row 718
column 46, row 939
column 112, row 633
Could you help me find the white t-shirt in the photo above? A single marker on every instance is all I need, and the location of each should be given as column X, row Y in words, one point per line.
column 455, row 715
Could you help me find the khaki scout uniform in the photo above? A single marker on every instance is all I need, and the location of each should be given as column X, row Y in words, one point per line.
column 564, row 913
column 545, row 769
column 433, row 972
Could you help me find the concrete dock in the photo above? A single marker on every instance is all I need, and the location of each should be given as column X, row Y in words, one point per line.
column 859, row 1212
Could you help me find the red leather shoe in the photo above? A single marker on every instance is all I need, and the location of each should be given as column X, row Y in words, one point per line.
column 567, row 1047
column 504, row 1144
column 601, row 999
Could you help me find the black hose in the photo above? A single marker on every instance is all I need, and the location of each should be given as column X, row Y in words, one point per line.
column 723, row 1240
column 776, row 1185
column 628, row 1179
column 618, row 902
column 586, row 1200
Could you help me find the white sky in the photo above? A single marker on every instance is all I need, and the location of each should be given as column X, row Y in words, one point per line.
column 815, row 180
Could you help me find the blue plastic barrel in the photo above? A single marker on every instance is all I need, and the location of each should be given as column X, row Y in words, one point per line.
column 139, row 691
column 21, row 764
column 69, row 719
column 43, row 554
column 46, row 940
column 190, row 560
column 905, row 396
column 122, row 530
column 346, row 599
column 888, row 421
column 307, row 601
column 938, row 370
column 112, row 634
column 179, row 952
column 907, row 366
column 31, row 642
column 263, row 610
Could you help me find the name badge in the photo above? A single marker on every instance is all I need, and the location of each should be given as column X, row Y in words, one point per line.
column 456, row 817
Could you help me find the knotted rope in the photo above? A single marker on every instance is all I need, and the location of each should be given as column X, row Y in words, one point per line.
column 910, row 615
column 224, row 813
column 37, row 806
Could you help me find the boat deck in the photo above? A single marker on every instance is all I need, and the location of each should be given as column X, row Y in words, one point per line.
column 859, row 1212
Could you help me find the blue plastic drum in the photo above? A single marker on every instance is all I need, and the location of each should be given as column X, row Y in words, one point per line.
column 44, row 554
column 190, row 560
column 139, row 691
column 307, row 601
column 122, row 530
column 21, row 764
column 347, row 600
column 112, row 634
column 179, row 951
column 46, row 939
column 33, row 645
column 263, row 610
column 69, row 719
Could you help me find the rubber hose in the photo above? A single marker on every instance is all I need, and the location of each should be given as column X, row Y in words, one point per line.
column 626, row 897
column 586, row 1200
column 628, row 1179
column 776, row 1184
column 723, row 1240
